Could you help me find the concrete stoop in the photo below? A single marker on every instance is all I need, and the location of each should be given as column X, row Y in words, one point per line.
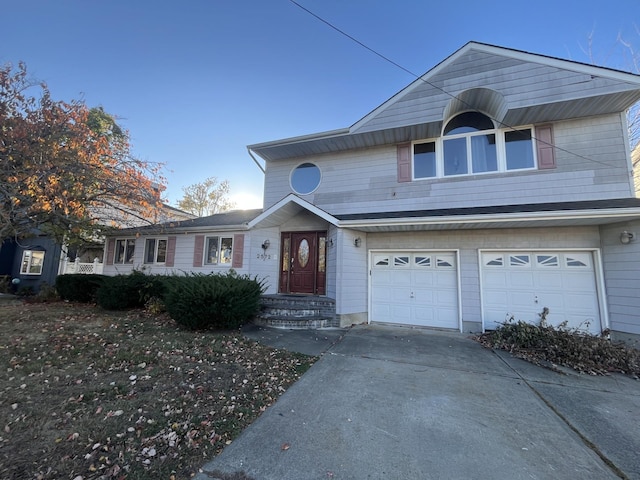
column 297, row 312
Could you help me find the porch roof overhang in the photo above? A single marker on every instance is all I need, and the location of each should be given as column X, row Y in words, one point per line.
column 563, row 214
column 286, row 208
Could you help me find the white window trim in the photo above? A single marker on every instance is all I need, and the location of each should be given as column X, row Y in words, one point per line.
column 155, row 250
column 501, row 153
column 218, row 262
column 115, row 251
column 30, row 262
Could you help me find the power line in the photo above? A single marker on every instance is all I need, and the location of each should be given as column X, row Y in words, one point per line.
column 419, row 77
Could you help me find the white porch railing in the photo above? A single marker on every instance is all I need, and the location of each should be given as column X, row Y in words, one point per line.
column 66, row 266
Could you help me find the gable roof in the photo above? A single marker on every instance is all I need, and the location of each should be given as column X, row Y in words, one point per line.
column 512, row 86
column 286, row 208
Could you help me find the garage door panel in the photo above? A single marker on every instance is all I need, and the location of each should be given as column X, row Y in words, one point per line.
column 579, row 282
column 423, row 278
column 523, row 283
column 497, row 278
column 446, row 280
column 424, row 296
column 580, row 302
column 381, row 312
column 424, row 316
column 401, row 277
column 400, row 313
column 496, row 298
column 519, row 299
column 417, row 288
column 446, row 297
column 382, row 277
column 549, row 280
column 382, row 293
column 521, row 279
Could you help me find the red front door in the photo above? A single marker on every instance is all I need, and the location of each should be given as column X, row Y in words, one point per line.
column 303, row 262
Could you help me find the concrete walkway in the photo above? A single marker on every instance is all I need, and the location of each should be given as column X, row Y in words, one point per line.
column 400, row 403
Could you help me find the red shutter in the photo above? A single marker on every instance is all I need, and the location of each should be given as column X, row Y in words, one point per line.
column 238, row 250
column 171, row 252
column 404, row 162
column 198, row 251
column 111, row 246
column 544, row 145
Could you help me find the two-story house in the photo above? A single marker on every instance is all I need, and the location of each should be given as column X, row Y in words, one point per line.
column 497, row 185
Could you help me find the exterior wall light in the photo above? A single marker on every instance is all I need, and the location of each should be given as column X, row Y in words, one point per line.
column 357, row 242
column 265, row 244
column 626, row 237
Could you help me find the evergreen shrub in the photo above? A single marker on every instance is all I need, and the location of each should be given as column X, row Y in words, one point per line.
column 214, row 301
column 131, row 291
column 79, row 288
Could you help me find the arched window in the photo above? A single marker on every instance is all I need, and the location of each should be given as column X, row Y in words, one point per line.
column 469, row 145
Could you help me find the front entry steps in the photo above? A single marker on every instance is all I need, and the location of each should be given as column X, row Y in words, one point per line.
column 298, row 312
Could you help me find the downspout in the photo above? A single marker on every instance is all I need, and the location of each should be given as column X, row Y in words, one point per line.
column 254, row 160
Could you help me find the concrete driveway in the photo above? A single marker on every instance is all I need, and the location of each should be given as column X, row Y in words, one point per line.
column 400, row 403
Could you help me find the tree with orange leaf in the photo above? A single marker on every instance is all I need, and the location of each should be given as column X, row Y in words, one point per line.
column 65, row 169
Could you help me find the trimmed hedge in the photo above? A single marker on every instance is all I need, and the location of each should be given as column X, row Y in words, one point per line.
column 78, row 287
column 131, row 291
column 213, row 301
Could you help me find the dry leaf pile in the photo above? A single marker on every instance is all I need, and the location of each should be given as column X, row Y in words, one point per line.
column 87, row 394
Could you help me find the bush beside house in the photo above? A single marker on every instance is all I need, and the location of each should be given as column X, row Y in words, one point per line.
column 196, row 301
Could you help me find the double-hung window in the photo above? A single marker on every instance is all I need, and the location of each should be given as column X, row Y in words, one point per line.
column 32, row 262
column 472, row 145
column 155, row 250
column 125, row 248
column 218, row 250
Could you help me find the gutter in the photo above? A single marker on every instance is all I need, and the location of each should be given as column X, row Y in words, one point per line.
column 255, row 160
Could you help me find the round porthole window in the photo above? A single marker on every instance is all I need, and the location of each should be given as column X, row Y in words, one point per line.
column 305, row 178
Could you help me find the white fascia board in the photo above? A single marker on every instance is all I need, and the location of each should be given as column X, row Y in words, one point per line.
column 621, row 214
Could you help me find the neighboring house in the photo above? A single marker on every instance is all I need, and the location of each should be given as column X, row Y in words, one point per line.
column 31, row 262
column 496, row 185
column 38, row 260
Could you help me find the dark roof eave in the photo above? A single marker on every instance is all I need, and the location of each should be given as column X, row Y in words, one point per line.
column 234, row 220
column 619, row 203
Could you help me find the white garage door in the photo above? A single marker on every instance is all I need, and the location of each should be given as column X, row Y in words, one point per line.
column 415, row 288
column 521, row 284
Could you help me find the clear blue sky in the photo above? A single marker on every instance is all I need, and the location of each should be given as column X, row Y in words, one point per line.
column 196, row 81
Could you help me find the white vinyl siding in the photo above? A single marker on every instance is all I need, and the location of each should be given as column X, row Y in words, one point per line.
column 523, row 84
column 598, row 171
column 622, row 277
column 183, row 259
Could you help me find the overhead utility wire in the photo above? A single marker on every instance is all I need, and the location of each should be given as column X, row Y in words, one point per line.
column 419, row 77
